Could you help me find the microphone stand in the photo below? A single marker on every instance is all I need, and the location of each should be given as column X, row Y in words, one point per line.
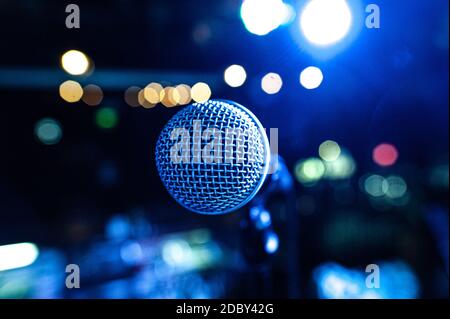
column 279, row 182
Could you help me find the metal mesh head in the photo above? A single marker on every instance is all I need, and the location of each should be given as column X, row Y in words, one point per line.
column 213, row 157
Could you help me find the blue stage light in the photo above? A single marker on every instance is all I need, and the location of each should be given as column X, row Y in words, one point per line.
column 263, row 16
column 325, row 22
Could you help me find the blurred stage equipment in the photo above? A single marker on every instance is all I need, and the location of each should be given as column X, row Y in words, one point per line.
column 213, row 157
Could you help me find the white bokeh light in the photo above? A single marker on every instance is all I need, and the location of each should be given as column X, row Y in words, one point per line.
column 75, row 62
column 263, row 16
column 325, row 22
column 311, row 78
column 235, row 75
column 271, row 83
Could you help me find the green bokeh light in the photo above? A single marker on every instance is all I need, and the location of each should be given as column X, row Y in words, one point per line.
column 344, row 166
column 376, row 185
column 397, row 187
column 106, row 118
column 309, row 170
column 329, row 151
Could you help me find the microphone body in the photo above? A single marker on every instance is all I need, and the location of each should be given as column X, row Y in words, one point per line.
column 213, row 157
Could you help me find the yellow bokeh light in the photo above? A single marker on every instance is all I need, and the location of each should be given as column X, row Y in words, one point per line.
column 200, row 92
column 71, row 91
column 184, row 91
column 143, row 101
column 152, row 93
column 171, row 97
column 75, row 62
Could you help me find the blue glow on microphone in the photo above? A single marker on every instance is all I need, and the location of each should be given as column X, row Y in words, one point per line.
column 213, row 157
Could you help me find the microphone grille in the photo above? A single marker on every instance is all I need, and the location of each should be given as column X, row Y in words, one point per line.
column 218, row 186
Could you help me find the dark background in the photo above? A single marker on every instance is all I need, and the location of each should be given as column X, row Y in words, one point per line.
column 387, row 85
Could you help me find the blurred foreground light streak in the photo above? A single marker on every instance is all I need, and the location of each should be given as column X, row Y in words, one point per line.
column 17, row 255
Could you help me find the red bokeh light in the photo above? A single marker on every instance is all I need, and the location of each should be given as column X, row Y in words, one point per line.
column 385, row 154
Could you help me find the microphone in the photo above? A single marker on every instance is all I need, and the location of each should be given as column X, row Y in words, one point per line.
column 213, row 157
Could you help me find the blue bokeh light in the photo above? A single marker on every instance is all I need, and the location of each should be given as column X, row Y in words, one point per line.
column 271, row 243
column 397, row 281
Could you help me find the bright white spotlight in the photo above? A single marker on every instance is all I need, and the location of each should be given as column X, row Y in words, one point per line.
column 325, row 22
column 311, row 78
column 263, row 16
column 235, row 75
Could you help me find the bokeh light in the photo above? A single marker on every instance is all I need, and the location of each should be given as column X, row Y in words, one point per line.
column 311, row 77
column 131, row 253
column 335, row 281
column 344, row 166
column 106, row 118
column 385, row 154
column 263, row 16
column 92, row 95
column 184, row 92
column 171, row 97
column 396, row 187
column 131, row 96
column 48, row 131
column 376, row 185
column 152, row 93
column 200, row 92
column 176, row 252
column 70, row 91
column 325, row 22
column 271, row 242
column 261, row 217
column 309, row 170
column 329, row 151
column 75, row 62
column 271, row 83
column 143, row 101
column 235, row 75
